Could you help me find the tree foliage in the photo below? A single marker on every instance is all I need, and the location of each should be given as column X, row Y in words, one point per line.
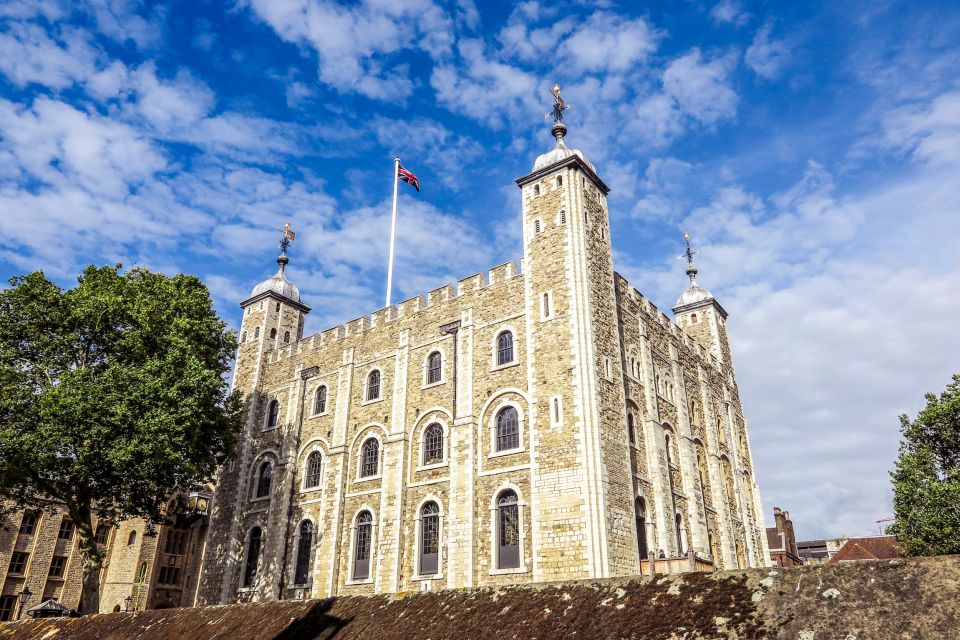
column 926, row 480
column 112, row 395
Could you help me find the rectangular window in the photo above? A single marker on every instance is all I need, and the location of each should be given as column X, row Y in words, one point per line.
column 57, row 566
column 606, row 369
column 100, row 537
column 176, row 544
column 18, row 562
column 169, row 575
column 6, row 608
column 508, row 556
column 66, row 529
column 29, row 523
column 430, row 553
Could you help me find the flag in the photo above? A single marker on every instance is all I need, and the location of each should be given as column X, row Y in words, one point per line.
column 288, row 233
column 409, row 178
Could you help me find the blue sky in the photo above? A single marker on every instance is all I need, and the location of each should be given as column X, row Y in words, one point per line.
column 811, row 149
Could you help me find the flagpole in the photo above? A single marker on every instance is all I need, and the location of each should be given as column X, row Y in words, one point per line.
column 393, row 227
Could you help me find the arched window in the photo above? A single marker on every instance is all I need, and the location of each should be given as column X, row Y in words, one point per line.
column 256, row 333
column 304, row 548
column 320, row 400
column 264, row 477
column 363, row 538
column 631, row 432
column 243, row 337
column 641, row 514
column 508, row 429
column 433, row 444
column 505, row 348
column 253, row 557
column 373, row 385
column 370, row 453
column 314, row 467
column 559, row 181
column 286, row 336
column 278, row 306
column 273, row 333
column 680, row 545
column 508, row 530
column 429, row 538
column 434, row 368
column 273, row 413
column 132, row 539
column 536, row 190
column 693, row 318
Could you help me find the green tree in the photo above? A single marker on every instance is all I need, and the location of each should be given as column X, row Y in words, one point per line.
column 926, row 481
column 112, row 398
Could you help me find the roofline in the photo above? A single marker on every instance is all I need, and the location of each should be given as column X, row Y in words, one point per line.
column 572, row 159
column 701, row 304
column 273, row 294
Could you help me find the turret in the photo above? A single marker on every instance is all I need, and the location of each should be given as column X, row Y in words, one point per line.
column 699, row 313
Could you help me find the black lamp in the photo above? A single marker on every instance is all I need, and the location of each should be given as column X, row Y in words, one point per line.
column 23, row 596
column 127, row 602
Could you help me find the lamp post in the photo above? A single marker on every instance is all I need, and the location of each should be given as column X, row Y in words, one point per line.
column 126, row 603
column 23, row 596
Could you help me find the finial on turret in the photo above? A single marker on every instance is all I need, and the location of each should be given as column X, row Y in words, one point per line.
column 559, row 106
column 688, row 254
column 288, row 236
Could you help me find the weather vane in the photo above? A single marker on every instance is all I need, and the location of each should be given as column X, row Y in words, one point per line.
column 559, row 106
column 288, row 236
column 689, row 253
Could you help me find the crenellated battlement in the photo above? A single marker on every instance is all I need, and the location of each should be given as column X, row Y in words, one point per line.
column 434, row 301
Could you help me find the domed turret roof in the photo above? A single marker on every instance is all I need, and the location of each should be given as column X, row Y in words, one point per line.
column 278, row 284
column 693, row 294
column 560, row 152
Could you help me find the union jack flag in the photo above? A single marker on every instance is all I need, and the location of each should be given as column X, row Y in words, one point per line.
column 409, row 178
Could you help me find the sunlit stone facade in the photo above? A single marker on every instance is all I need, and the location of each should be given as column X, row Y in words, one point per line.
column 548, row 423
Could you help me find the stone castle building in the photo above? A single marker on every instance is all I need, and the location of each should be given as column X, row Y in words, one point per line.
column 546, row 424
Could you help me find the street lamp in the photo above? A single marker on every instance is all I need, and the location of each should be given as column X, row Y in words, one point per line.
column 23, row 597
column 126, row 603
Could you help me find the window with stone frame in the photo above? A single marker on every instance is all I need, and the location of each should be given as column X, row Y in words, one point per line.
column 508, row 429
column 101, row 535
column 18, row 562
column 370, row 458
column 504, row 348
column 320, row 400
column 433, row 444
column 169, row 574
column 434, row 367
column 28, row 524
column 631, row 431
column 57, row 566
column 301, row 572
column 132, row 539
column 640, row 508
column 256, row 333
column 66, row 529
column 314, row 470
column 429, row 538
column 264, row 479
column 373, row 385
column 176, row 542
column 363, row 542
column 273, row 414
column 286, row 336
column 508, row 530
column 6, row 608
column 254, row 542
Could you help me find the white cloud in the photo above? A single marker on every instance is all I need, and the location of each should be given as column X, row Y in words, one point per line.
column 765, row 56
column 28, row 54
column 607, row 42
column 483, row 88
column 352, row 41
column 730, row 11
column 700, row 87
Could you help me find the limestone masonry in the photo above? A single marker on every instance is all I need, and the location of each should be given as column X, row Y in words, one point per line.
column 517, row 427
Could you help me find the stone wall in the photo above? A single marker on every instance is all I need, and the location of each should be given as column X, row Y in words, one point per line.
column 869, row 600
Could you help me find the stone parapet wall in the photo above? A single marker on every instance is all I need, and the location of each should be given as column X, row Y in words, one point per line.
column 873, row 600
